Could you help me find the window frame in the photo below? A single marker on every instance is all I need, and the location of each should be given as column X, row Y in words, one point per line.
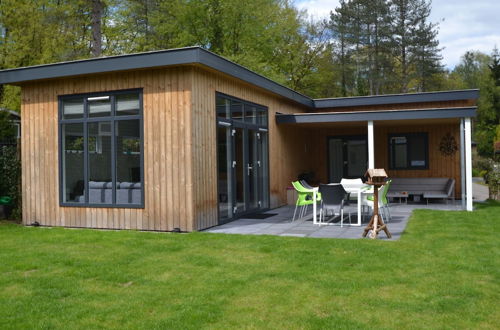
column 408, row 137
column 231, row 121
column 241, row 123
column 85, row 120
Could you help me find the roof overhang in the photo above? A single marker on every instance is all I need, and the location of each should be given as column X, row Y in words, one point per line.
column 336, row 117
column 171, row 57
column 200, row 56
column 341, row 102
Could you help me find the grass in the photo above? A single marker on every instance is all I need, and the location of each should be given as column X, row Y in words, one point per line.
column 443, row 273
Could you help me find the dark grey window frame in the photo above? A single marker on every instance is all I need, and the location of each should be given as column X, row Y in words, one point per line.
column 112, row 119
column 408, row 137
column 225, row 122
column 344, row 138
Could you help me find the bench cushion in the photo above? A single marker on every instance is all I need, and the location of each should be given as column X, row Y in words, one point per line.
column 428, row 187
column 436, row 195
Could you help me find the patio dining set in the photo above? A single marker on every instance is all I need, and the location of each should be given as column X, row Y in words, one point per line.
column 333, row 198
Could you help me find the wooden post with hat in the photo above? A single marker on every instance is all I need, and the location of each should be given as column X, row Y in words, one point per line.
column 376, row 178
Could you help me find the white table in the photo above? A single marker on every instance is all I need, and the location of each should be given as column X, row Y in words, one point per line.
column 359, row 190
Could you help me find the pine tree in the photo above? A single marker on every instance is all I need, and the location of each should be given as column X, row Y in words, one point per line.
column 378, row 36
column 415, row 45
column 96, row 16
column 339, row 25
column 427, row 56
column 495, row 66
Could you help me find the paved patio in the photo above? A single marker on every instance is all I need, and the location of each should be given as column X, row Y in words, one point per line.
column 281, row 224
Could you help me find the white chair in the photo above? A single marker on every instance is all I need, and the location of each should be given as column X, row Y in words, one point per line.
column 352, row 183
column 383, row 203
column 351, row 186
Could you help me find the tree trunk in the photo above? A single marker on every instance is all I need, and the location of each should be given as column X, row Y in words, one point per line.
column 97, row 9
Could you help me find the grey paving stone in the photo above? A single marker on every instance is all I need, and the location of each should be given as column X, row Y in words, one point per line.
column 282, row 225
column 293, row 235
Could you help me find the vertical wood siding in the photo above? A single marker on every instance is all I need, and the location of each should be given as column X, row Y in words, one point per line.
column 167, row 152
column 440, row 166
column 180, row 150
column 286, row 154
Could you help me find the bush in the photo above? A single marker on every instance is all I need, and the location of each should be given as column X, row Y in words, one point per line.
column 10, row 177
column 480, row 167
column 493, row 177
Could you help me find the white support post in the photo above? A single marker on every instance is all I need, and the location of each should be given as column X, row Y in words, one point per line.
column 371, row 148
column 462, row 163
column 468, row 164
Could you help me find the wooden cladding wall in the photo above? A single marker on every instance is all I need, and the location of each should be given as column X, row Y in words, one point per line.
column 439, row 164
column 285, row 154
column 167, row 152
column 319, row 149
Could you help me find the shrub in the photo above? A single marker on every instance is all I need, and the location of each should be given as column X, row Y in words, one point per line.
column 480, row 167
column 493, row 177
column 10, row 177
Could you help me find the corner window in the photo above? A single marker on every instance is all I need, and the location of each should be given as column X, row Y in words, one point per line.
column 408, row 151
column 101, row 149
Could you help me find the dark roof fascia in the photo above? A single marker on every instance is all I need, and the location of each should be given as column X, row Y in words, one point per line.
column 337, row 117
column 221, row 64
column 100, row 65
column 469, row 94
column 198, row 55
column 180, row 56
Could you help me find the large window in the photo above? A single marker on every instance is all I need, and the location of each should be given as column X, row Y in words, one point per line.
column 101, row 152
column 408, row 151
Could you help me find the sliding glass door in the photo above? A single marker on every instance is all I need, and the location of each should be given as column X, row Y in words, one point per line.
column 347, row 157
column 243, row 184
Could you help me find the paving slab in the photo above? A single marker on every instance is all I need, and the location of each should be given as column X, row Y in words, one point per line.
column 282, row 224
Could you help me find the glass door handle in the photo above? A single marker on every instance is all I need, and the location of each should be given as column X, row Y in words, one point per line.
column 249, row 168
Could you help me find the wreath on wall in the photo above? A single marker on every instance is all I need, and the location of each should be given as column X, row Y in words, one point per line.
column 448, row 145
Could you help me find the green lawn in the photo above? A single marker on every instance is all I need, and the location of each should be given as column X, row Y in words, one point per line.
column 443, row 273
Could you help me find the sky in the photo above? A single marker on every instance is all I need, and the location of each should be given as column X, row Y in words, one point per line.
column 463, row 24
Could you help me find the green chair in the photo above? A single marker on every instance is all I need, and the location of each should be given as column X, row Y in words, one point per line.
column 383, row 202
column 304, row 198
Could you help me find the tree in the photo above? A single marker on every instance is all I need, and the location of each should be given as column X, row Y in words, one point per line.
column 427, row 55
column 340, row 28
column 495, row 66
column 478, row 70
column 415, row 43
column 96, row 14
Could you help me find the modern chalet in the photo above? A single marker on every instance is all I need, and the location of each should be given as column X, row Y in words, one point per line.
column 184, row 139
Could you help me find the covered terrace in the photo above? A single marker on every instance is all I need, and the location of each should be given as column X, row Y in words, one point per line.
column 424, row 135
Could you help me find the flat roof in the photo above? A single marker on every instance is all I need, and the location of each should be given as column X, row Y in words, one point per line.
column 198, row 55
column 347, row 116
column 338, row 102
column 162, row 58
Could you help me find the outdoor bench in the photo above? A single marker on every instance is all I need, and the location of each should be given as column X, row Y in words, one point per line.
column 428, row 188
